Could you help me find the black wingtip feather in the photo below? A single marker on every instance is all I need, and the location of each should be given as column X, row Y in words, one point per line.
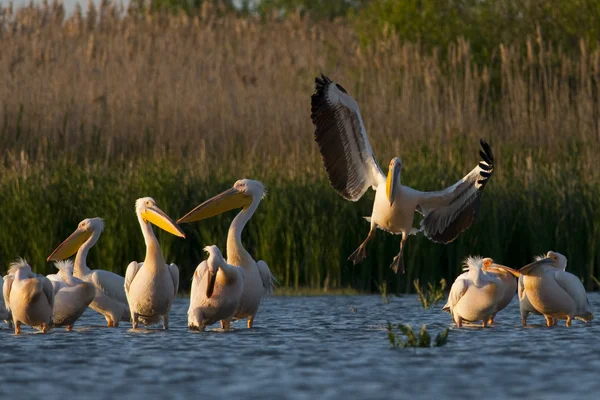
column 486, row 152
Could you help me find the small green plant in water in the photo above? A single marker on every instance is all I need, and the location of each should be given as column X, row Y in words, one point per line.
column 383, row 291
column 423, row 339
column 432, row 295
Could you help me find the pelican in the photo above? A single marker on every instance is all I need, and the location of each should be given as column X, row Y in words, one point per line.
column 258, row 280
column 72, row 296
column 5, row 313
column 29, row 297
column 554, row 292
column 509, row 277
column 216, row 291
column 152, row 285
column 110, row 299
column 352, row 169
column 475, row 295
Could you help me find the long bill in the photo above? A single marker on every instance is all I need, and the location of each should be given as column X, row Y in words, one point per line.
column 392, row 179
column 70, row 246
column 527, row 269
column 157, row 217
column 495, row 268
column 228, row 200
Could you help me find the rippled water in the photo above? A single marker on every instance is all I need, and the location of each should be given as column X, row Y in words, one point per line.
column 306, row 347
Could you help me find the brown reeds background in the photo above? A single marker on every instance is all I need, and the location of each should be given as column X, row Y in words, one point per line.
column 99, row 110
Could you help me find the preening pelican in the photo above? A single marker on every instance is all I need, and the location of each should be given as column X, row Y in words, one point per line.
column 5, row 313
column 553, row 292
column 258, row 280
column 29, row 297
column 152, row 285
column 352, row 169
column 509, row 277
column 216, row 291
column 72, row 296
column 475, row 296
column 110, row 299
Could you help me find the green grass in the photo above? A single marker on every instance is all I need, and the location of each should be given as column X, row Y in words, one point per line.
column 404, row 336
column 430, row 295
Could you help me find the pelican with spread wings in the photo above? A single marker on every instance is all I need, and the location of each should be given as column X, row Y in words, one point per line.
column 352, row 169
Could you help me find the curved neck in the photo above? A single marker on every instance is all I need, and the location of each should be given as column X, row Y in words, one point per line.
column 236, row 253
column 79, row 266
column 476, row 276
column 154, row 257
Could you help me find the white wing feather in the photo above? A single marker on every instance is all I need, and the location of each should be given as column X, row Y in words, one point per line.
column 268, row 279
column 175, row 276
column 132, row 270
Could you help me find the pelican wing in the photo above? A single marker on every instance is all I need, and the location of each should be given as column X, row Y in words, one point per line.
column 573, row 286
column 267, row 277
column 450, row 212
column 132, row 270
column 175, row 276
column 110, row 283
column 47, row 288
column 201, row 270
column 343, row 142
column 458, row 289
column 6, row 287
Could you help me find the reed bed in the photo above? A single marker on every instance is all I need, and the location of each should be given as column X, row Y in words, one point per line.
column 97, row 111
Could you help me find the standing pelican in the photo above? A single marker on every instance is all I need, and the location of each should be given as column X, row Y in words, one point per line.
column 352, row 169
column 152, row 285
column 509, row 277
column 110, row 299
column 475, row 296
column 29, row 297
column 258, row 280
column 552, row 291
column 216, row 291
column 5, row 313
column 72, row 296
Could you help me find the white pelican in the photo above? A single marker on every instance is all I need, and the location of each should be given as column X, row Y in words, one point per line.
column 509, row 277
column 5, row 313
column 72, row 296
column 216, row 291
column 474, row 296
column 110, row 299
column 258, row 280
column 352, row 169
column 554, row 292
column 152, row 285
column 29, row 297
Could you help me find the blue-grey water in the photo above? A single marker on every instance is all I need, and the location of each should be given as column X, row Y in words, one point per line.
column 328, row 347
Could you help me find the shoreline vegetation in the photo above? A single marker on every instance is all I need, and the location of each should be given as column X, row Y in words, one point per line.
column 98, row 110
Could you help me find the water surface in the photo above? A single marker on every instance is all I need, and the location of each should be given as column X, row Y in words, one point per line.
column 304, row 348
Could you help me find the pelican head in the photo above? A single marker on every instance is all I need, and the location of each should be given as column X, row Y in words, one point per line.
column 491, row 267
column 215, row 260
column 551, row 259
column 20, row 269
column 84, row 231
column 393, row 178
column 476, row 263
column 148, row 211
column 240, row 195
column 558, row 259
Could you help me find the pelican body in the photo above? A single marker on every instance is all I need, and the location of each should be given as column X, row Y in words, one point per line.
column 553, row 292
column 258, row 279
column 5, row 313
column 352, row 168
column 29, row 297
column 475, row 294
column 509, row 277
column 109, row 299
column 217, row 288
column 72, row 296
column 151, row 286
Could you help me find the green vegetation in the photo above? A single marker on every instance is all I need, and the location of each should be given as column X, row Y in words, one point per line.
column 96, row 112
column 383, row 291
column 421, row 340
column 432, row 295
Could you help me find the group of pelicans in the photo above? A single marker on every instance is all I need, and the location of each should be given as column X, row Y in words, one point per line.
column 232, row 289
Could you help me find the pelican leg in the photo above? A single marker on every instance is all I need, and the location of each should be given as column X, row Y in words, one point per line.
column 484, row 323
column 226, row 325
column 69, row 328
column 134, row 320
column 491, row 320
column 250, row 321
column 165, row 321
column 45, row 328
column 524, row 319
column 398, row 262
column 569, row 319
column 549, row 321
column 459, row 322
column 17, row 327
column 361, row 253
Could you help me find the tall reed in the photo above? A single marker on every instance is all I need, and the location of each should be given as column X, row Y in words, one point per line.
column 98, row 110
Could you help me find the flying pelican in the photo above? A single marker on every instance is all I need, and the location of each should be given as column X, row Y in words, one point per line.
column 72, row 296
column 216, row 291
column 5, row 313
column 352, row 169
column 151, row 286
column 554, row 292
column 475, row 296
column 29, row 297
column 509, row 277
column 110, row 299
column 258, row 280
